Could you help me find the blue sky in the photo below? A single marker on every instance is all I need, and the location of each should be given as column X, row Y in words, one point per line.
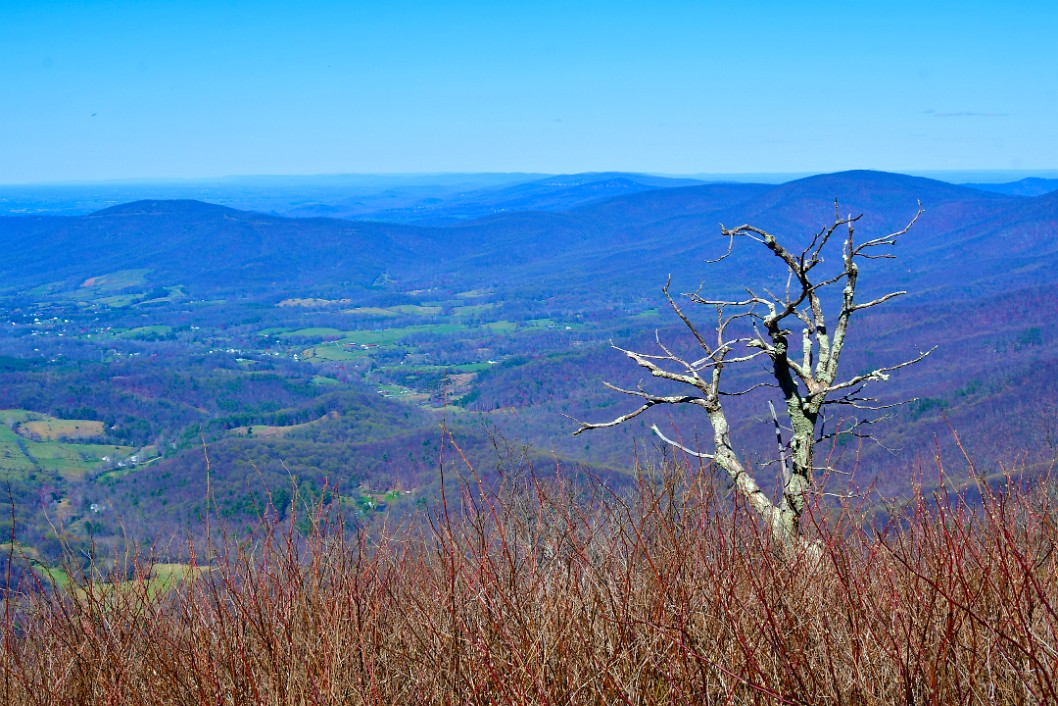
column 97, row 90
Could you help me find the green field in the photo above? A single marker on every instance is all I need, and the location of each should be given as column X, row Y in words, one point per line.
column 12, row 461
column 51, row 429
column 394, row 311
column 345, row 346
column 348, row 345
column 166, row 576
column 264, row 430
column 313, row 332
column 473, row 293
column 472, row 309
column 324, row 381
column 146, row 332
column 370, row 311
column 172, row 294
column 118, row 301
column 333, row 352
column 416, row 310
column 12, row 417
column 393, row 390
column 116, row 281
column 73, row 461
column 163, row 577
column 20, row 455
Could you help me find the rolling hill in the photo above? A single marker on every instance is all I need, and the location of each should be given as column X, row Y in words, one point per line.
column 640, row 235
column 502, row 319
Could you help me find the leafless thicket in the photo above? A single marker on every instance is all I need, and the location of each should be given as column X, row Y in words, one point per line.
column 545, row 593
column 761, row 326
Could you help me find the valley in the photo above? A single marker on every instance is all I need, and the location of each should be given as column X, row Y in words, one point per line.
column 150, row 345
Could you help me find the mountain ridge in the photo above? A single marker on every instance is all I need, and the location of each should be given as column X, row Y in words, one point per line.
column 219, row 248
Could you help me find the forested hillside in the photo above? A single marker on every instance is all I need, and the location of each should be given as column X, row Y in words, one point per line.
column 140, row 340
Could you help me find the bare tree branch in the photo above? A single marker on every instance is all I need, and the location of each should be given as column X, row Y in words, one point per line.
column 881, row 374
column 879, row 300
column 650, row 402
column 681, row 447
column 761, row 327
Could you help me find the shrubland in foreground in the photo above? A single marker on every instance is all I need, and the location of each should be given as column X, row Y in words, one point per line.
column 541, row 593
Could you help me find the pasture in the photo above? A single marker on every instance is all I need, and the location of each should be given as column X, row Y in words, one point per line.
column 30, row 441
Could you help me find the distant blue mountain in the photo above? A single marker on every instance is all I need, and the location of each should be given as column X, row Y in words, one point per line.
column 1032, row 186
column 556, row 193
column 628, row 241
column 267, row 194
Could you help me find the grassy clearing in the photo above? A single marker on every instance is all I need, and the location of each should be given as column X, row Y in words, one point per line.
column 13, row 463
column 474, row 293
column 57, row 445
column 395, row 311
column 312, row 332
column 168, row 576
column 324, row 381
column 390, row 336
column 116, row 281
column 312, row 302
column 370, row 311
column 355, row 344
column 112, row 290
column 501, row 326
column 158, row 580
column 472, row 310
column 543, row 324
column 341, row 346
column 506, row 327
column 118, row 301
column 416, row 310
column 18, row 416
column 404, row 394
column 43, row 290
column 333, row 352
column 393, row 390
column 265, row 431
column 145, row 332
column 51, row 429
column 54, row 576
column 367, row 501
column 74, row 461
column 145, row 456
column 172, row 294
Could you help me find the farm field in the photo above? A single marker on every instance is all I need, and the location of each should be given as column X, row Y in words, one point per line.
column 265, row 431
column 30, row 441
column 116, row 281
column 51, row 429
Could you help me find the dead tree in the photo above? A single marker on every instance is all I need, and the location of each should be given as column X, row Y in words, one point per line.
column 805, row 371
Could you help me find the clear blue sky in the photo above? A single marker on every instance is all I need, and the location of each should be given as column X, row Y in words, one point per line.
column 104, row 90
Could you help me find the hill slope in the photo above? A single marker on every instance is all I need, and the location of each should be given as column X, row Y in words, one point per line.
column 506, row 318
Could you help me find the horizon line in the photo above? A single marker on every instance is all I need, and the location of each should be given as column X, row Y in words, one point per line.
column 1003, row 174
